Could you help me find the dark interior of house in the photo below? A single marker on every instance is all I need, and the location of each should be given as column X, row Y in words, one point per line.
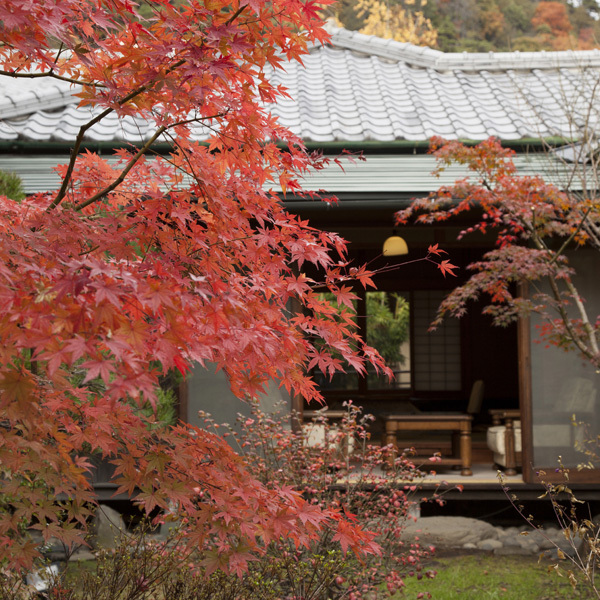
column 437, row 370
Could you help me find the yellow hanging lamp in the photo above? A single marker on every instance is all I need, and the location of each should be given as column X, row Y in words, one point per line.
column 394, row 246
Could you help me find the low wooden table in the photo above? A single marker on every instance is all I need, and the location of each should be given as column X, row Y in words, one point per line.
column 459, row 424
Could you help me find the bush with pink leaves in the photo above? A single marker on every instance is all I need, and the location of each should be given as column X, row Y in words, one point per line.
column 335, row 464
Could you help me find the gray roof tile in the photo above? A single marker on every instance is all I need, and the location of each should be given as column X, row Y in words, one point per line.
column 362, row 88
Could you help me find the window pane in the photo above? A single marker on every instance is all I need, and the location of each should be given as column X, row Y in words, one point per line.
column 339, row 381
column 565, row 416
column 388, row 331
column 437, row 357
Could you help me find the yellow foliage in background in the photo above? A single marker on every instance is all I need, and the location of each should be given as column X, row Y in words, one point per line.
column 396, row 22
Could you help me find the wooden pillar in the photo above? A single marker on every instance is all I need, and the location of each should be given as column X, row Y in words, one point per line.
column 525, row 395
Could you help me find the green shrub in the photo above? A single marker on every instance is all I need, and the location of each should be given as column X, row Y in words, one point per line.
column 11, row 186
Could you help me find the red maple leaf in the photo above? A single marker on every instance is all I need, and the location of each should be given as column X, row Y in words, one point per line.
column 447, row 267
column 433, row 249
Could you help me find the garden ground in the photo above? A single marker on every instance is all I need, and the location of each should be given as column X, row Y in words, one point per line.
column 477, row 575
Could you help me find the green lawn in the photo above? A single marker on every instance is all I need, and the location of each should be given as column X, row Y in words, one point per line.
column 486, row 577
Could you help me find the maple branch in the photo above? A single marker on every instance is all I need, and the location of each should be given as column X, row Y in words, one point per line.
column 133, row 94
column 593, row 230
column 84, row 128
column 222, row 243
column 584, row 140
column 192, row 171
column 235, row 15
column 573, row 336
column 59, row 52
column 591, row 349
column 224, row 136
column 589, row 329
column 561, row 250
column 88, row 251
column 143, row 150
column 109, row 188
column 386, row 269
column 50, row 74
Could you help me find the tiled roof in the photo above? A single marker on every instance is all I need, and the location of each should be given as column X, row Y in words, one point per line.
column 362, row 88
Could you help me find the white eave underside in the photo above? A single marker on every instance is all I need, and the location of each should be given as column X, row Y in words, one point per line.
column 399, row 174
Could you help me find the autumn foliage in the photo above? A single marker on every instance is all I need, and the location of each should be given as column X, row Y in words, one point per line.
column 536, row 225
column 397, row 22
column 145, row 265
column 552, row 15
column 552, row 23
column 335, row 464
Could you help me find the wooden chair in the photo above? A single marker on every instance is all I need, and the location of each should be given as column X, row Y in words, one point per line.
column 476, row 398
column 504, row 438
column 322, row 428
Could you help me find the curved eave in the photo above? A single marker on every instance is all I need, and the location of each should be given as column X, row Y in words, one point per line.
column 329, row 148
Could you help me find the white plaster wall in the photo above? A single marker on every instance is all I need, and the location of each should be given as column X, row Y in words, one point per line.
column 209, row 391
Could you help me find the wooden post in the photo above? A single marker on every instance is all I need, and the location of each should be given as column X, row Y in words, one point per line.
column 390, row 438
column 509, row 448
column 465, row 448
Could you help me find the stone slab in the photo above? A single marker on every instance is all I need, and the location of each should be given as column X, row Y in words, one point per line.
column 449, row 531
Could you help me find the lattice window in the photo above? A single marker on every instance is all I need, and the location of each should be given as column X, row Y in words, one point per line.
column 436, row 354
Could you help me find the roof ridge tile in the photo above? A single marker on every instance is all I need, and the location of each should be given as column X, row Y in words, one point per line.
column 425, row 57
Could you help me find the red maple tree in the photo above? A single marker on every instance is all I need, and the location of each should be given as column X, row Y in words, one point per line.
column 152, row 262
column 536, row 225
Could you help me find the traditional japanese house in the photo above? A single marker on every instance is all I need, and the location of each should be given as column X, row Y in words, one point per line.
column 385, row 100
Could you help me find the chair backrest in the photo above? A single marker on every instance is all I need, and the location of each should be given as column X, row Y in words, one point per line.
column 476, row 398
